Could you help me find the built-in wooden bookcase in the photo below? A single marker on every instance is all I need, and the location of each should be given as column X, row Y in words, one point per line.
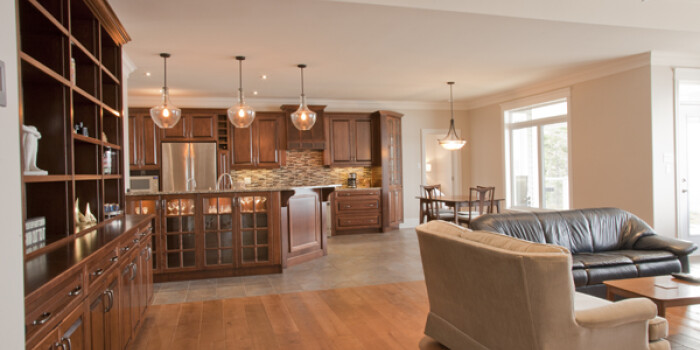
column 70, row 74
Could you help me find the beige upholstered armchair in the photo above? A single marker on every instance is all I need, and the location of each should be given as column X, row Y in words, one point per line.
column 489, row 291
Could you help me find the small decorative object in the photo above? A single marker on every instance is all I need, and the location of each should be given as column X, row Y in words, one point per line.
column 81, row 129
column 304, row 118
column 72, row 70
column 144, row 210
column 104, row 137
column 165, row 115
column 35, row 231
column 137, row 210
column 107, row 161
column 89, row 218
column 241, row 115
column 452, row 141
column 78, row 217
column 30, row 145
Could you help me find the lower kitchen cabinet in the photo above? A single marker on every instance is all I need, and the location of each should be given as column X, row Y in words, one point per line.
column 71, row 333
column 104, row 314
column 356, row 210
column 129, row 297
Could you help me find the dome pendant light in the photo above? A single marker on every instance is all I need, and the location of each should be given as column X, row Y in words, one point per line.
column 241, row 115
column 303, row 118
column 165, row 115
column 452, row 142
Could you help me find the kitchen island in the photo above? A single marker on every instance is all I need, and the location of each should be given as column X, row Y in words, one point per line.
column 236, row 232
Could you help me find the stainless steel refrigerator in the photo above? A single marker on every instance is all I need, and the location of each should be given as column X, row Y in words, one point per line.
column 189, row 166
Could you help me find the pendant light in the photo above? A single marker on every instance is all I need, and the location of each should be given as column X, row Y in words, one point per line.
column 452, row 142
column 165, row 115
column 241, row 115
column 303, row 118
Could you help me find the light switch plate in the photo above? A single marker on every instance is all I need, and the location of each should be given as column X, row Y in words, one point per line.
column 3, row 85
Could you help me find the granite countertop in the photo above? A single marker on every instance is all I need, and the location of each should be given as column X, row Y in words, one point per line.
column 248, row 188
column 357, row 188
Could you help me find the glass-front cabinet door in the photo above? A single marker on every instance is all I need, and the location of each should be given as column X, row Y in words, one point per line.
column 218, row 230
column 255, row 230
column 143, row 205
column 179, row 232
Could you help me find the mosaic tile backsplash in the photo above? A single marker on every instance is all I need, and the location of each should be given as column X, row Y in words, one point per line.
column 304, row 168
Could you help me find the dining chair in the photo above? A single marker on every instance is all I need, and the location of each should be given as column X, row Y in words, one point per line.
column 435, row 210
column 480, row 202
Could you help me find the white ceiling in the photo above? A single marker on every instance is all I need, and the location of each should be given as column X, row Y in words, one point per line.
column 389, row 50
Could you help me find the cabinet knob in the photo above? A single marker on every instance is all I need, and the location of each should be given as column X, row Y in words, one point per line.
column 76, row 291
column 98, row 272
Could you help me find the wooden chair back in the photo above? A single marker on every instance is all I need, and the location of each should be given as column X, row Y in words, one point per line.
column 481, row 200
column 432, row 208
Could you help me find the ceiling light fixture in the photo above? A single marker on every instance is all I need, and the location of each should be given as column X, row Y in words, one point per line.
column 303, row 118
column 452, row 142
column 165, row 115
column 241, row 115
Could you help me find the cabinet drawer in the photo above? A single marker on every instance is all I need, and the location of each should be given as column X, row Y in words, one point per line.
column 145, row 232
column 357, row 193
column 98, row 266
column 42, row 316
column 357, row 221
column 352, row 205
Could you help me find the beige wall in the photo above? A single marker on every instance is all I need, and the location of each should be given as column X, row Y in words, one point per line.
column 12, row 293
column 411, row 124
column 611, row 148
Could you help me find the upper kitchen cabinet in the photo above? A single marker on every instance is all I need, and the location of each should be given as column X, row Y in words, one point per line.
column 195, row 126
column 388, row 157
column 350, row 139
column 313, row 139
column 144, row 141
column 261, row 144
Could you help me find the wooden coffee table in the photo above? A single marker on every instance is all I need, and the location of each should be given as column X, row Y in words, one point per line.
column 664, row 291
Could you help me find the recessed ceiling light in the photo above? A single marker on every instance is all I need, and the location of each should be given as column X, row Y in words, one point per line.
column 263, row 77
column 255, row 92
column 148, row 74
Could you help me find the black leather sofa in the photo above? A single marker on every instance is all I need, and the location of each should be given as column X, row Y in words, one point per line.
column 605, row 243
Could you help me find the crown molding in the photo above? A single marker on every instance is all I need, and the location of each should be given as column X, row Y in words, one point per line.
column 136, row 101
column 675, row 59
column 587, row 73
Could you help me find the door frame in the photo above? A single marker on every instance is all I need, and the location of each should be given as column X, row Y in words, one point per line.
column 682, row 207
column 456, row 160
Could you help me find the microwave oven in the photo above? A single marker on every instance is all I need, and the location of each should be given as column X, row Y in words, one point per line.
column 143, row 184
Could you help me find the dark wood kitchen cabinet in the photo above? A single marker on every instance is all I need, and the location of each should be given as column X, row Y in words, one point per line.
column 261, row 145
column 313, row 139
column 70, row 334
column 388, row 157
column 194, row 126
column 350, row 139
column 104, row 314
column 144, row 142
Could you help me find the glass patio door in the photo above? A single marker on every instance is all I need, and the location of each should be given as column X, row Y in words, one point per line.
column 688, row 139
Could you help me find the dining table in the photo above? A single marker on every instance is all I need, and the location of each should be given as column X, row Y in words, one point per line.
column 454, row 202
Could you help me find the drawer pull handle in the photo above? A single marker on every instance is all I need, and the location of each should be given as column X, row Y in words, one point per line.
column 110, row 294
column 136, row 241
column 126, row 249
column 347, row 206
column 98, row 272
column 114, row 259
column 75, row 292
column 133, row 271
column 42, row 319
column 66, row 340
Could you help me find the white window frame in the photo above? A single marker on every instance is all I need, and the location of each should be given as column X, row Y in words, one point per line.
column 533, row 101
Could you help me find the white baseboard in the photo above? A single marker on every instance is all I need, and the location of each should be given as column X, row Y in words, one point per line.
column 410, row 223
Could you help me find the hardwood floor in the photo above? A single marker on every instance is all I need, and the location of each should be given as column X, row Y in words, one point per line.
column 387, row 316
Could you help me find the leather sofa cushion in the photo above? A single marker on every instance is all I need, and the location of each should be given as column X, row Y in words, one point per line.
column 580, row 277
column 522, row 225
column 639, row 256
column 658, row 268
column 601, row 260
column 605, row 273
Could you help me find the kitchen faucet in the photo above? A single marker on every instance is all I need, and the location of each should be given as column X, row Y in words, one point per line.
column 221, row 177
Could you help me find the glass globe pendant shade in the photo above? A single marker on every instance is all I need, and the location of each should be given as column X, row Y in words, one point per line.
column 241, row 115
column 166, row 115
column 303, row 118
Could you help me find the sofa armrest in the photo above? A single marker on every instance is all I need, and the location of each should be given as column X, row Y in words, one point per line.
column 617, row 314
column 658, row 242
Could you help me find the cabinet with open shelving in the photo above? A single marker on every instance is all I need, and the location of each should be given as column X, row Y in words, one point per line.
column 70, row 75
column 178, row 229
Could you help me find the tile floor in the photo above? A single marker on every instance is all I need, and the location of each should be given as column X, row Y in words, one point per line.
column 352, row 261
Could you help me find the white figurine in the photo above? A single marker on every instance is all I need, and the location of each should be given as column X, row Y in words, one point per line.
column 88, row 215
column 30, row 144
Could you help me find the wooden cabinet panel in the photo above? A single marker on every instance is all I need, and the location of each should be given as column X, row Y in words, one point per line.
column 150, row 146
column 259, row 145
column 313, row 139
column 144, row 142
column 177, row 132
column 350, row 140
column 134, row 144
column 354, row 210
column 363, row 141
column 302, row 227
column 202, row 127
column 50, row 342
column 242, row 154
column 128, row 297
column 73, row 330
column 388, row 157
column 104, row 314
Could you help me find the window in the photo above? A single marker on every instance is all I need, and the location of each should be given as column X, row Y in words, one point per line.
column 537, row 152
